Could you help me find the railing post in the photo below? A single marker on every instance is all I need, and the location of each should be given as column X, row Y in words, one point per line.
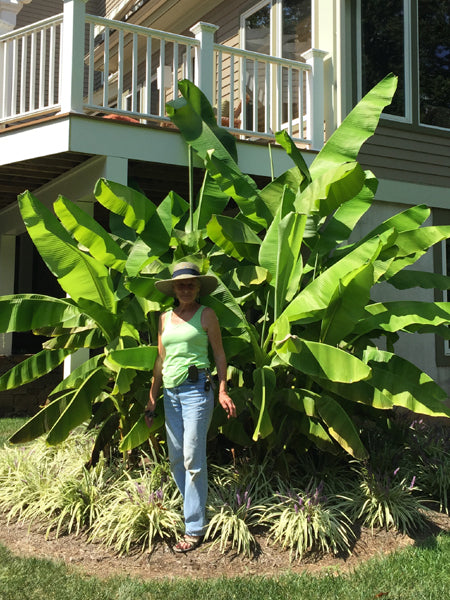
column 315, row 96
column 204, row 55
column 72, row 57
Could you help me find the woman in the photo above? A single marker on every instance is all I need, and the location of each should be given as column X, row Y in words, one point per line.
column 182, row 367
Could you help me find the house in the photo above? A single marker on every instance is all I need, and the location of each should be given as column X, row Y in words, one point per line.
column 300, row 65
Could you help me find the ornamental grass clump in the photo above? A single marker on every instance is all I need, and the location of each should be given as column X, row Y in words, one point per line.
column 236, row 501
column 387, row 501
column 136, row 513
column 305, row 521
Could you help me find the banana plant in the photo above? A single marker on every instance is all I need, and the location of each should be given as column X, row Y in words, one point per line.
column 296, row 291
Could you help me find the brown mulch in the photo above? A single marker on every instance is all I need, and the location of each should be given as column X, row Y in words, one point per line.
column 207, row 561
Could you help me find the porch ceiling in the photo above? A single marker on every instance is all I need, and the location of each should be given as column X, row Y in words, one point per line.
column 32, row 174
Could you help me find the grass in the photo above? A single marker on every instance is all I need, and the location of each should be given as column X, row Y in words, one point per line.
column 10, row 426
column 418, row 573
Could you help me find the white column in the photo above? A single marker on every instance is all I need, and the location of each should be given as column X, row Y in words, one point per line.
column 204, row 55
column 7, row 270
column 315, row 96
column 72, row 56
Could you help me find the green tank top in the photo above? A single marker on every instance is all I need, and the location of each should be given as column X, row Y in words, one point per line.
column 185, row 344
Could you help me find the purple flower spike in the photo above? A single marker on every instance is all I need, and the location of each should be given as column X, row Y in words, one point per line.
column 396, row 471
column 413, row 482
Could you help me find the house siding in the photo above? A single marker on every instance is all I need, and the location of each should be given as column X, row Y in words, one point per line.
column 403, row 154
column 38, row 10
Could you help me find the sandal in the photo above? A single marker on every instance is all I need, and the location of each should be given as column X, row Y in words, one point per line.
column 188, row 543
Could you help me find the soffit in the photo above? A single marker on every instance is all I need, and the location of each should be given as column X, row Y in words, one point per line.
column 175, row 16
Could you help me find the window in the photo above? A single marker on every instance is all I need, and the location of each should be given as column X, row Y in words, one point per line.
column 411, row 39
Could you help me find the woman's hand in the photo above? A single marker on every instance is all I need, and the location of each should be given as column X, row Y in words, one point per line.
column 227, row 404
column 149, row 412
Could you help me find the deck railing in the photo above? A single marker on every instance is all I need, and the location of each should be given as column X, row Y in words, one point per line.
column 76, row 62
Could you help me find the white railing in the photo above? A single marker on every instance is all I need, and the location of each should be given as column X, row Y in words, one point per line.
column 81, row 63
column 29, row 70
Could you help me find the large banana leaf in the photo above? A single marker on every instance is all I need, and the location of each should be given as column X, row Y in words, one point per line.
column 234, row 237
column 341, row 225
column 280, row 252
column 141, row 358
column 409, row 279
column 139, row 433
column 286, row 142
column 25, row 312
column 79, row 407
column 315, row 298
column 211, row 201
column 78, row 375
column 80, row 275
column 347, row 305
column 265, row 382
column 341, row 427
column 405, row 384
column 334, row 187
column 32, row 368
column 319, row 360
column 345, row 143
column 135, row 208
column 90, row 234
column 402, row 314
column 361, row 392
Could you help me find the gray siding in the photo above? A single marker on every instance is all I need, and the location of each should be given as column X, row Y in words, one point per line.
column 402, row 153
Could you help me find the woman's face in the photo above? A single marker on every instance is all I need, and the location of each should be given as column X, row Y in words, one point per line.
column 186, row 290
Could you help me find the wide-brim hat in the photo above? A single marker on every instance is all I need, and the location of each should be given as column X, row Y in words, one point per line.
column 187, row 270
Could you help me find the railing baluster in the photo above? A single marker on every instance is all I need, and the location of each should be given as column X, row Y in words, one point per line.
column 279, row 93
column 52, row 64
column 266, row 100
column 301, row 105
column 41, row 99
column 162, row 92
column 33, row 57
column 120, row 67
column 175, row 70
column 231, row 109
column 290, row 100
column 148, row 77
column 91, row 64
column 134, row 74
column 255, row 95
column 15, row 66
column 243, row 91
column 23, row 74
column 106, row 69
column 219, row 89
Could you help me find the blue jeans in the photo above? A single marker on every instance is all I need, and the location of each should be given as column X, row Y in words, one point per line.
column 188, row 409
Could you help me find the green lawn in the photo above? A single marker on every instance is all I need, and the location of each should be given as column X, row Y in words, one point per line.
column 419, row 573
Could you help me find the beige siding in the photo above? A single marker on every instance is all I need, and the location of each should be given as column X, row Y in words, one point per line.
column 41, row 9
column 402, row 154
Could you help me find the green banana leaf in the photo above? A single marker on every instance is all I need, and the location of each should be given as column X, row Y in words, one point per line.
column 139, row 433
column 315, row 298
column 340, row 427
column 211, row 201
column 265, row 382
column 80, row 275
column 334, row 187
column 319, row 360
column 88, row 338
column 32, row 368
column 315, row 431
column 286, row 142
column 141, row 358
column 342, row 223
column 90, row 234
column 401, row 314
column 347, row 305
column 280, row 253
column 409, row 278
column 273, row 191
column 360, row 124
column 234, row 237
column 405, row 384
column 361, row 392
column 134, row 208
column 25, row 312
column 79, row 408
column 78, row 375
column 158, row 229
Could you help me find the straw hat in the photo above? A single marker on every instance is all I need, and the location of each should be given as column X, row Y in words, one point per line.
column 187, row 270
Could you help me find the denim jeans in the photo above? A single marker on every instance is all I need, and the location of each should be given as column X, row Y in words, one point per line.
column 188, row 410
